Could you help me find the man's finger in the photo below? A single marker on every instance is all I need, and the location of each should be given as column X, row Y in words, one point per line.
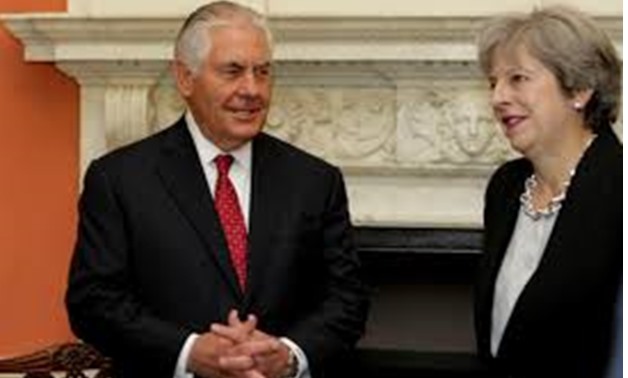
column 256, row 347
column 237, row 331
column 235, row 334
column 233, row 319
column 236, row 362
column 253, row 374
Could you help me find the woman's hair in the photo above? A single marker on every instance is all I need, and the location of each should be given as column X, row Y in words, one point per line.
column 193, row 42
column 571, row 46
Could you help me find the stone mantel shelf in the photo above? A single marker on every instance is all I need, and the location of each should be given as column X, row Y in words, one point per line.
column 396, row 102
column 60, row 37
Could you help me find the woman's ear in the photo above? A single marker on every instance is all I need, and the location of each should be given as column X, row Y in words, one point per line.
column 581, row 98
column 183, row 77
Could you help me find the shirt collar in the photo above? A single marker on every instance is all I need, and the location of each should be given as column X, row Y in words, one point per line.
column 207, row 150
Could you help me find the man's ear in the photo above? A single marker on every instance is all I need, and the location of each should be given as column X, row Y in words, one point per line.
column 183, row 77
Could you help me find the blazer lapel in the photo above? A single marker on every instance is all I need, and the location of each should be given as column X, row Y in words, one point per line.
column 503, row 220
column 503, row 234
column 583, row 186
column 182, row 175
column 263, row 197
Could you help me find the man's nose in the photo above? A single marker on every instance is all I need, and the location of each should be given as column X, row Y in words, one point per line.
column 249, row 84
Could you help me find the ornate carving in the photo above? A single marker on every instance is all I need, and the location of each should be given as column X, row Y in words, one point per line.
column 448, row 127
column 72, row 359
column 347, row 125
column 126, row 114
column 165, row 104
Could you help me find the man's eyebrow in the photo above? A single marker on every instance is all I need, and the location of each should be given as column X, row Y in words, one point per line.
column 226, row 66
column 236, row 64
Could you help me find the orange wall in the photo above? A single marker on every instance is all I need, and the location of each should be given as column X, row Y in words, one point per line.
column 38, row 191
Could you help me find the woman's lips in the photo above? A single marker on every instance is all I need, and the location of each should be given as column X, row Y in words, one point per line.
column 511, row 122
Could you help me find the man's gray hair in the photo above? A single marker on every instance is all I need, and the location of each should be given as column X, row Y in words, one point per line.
column 193, row 42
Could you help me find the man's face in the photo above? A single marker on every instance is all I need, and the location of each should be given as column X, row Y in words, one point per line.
column 230, row 95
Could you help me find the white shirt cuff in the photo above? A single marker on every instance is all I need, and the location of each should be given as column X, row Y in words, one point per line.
column 181, row 371
column 304, row 368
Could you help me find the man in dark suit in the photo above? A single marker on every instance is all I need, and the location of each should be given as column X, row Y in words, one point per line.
column 211, row 248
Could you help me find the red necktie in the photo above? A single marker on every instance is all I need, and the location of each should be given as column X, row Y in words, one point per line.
column 231, row 219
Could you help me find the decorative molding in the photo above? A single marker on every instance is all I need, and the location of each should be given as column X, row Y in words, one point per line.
column 54, row 37
column 114, row 103
column 397, row 102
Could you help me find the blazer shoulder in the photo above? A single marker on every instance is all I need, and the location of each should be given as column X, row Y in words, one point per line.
column 600, row 171
column 141, row 151
column 608, row 149
column 509, row 176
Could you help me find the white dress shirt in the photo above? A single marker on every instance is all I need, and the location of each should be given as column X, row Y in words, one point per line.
column 522, row 258
column 240, row 176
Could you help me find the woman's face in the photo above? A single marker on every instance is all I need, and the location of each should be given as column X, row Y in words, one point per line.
column 527, row 100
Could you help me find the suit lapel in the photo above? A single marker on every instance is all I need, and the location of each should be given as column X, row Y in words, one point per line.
column 183, row 177
column 263, row 197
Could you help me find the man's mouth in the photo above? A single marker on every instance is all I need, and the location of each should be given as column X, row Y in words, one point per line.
column 246, row 113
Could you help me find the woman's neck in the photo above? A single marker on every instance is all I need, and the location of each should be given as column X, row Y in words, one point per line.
column 553, row 170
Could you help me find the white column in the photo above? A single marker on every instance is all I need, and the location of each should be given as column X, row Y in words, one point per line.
column 114, row 104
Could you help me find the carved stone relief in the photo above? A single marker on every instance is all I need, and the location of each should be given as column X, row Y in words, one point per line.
column 430, row 125
column 351, row 126
column 165, row 105
column 126, row 114
column 447, row 127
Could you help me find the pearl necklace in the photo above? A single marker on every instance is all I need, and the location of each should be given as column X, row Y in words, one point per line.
column 556, row 202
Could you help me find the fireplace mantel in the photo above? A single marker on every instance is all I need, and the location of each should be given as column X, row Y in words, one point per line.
column 396, row 102
column 70, row 38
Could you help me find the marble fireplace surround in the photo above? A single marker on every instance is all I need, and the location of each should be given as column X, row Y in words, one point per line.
column 396, row 102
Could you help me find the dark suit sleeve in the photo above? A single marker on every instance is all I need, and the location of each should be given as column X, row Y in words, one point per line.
column 337, row 323
column 101, row 299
